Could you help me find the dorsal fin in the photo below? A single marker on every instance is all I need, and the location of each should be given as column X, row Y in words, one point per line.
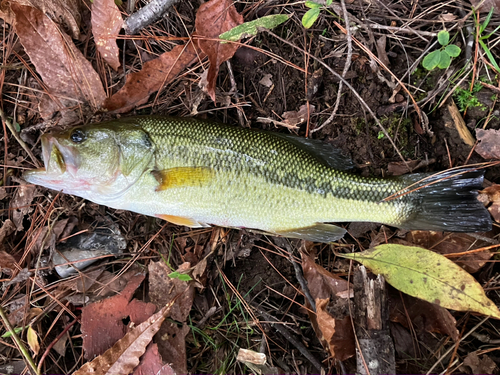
column 323, row 151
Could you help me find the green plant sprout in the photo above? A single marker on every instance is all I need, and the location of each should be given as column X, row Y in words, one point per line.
column 313, row 13
column 482, row 38
column 467, row 99
column 441, row 58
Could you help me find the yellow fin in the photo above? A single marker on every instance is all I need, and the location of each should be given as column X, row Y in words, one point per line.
column 182, row 176
column 179, row 220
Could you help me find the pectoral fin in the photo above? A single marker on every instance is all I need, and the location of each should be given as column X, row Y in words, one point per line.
column 179, row 220
column 182, row 176
column 317, row 233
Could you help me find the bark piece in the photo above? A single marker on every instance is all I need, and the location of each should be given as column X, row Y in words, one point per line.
column 372, row 325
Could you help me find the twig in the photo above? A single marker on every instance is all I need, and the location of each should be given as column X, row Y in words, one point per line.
column 65, row 330
column 344, row 72
column 147, row 15
column 298, row 272
column 234, row 90
column 369, row 110
column 298, row 345
column 18, row 138
column 26, row 354
column 419, row 33
column 445, row 354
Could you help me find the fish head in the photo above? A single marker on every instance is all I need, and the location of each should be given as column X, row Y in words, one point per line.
column 93, row 160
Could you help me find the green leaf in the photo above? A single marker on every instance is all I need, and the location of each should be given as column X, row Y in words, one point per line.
column 184, row 277
column 8, row 333
column 431, row 60
column 443, row 37
column 452, row 50
column 310, row 17
column 313, row 5
column 490, row 55
column 444, row 60
column 486, row 21
column 180, row 276
column 329, row 2
column 252, row 28
column 427, row 275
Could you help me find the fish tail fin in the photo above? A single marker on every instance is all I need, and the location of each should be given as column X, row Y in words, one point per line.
column 447, row 201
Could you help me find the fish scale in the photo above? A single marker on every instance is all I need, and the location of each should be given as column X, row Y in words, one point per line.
column 200, row 173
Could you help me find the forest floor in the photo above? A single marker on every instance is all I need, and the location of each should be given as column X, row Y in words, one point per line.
column 236, row 283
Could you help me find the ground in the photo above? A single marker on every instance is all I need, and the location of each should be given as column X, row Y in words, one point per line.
column 242, row 273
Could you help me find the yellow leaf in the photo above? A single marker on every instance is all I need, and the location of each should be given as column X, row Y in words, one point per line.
column 427, row 275
column 33, row 340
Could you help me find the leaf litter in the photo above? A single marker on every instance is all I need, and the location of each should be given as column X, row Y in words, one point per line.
column 95, row 286
column 70, row 79
column 106, row 25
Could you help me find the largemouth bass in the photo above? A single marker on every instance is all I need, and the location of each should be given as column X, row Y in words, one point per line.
column 199, row 173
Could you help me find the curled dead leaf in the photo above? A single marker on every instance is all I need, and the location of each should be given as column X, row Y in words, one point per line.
column 492, row 200
column 489, row 143
column 331, row 322
column 152, row 77
column 67, row 12
column 214, row 18
column 124, row 355
column 106, row 24
column 69, row 76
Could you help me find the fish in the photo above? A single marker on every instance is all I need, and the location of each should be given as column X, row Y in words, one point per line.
column 200, row 173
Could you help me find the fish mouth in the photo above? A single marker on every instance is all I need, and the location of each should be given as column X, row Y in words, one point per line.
column 58, row 159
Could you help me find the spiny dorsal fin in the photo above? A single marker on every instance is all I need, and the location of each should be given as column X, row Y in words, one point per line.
column 323, row 151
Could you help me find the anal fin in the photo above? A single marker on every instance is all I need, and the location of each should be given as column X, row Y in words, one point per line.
column 179, row 220
column 319, row 232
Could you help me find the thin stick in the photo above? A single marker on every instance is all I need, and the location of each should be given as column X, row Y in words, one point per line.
column 18, row 138
column 344, row 72
column 26, row 354
column 148, row 14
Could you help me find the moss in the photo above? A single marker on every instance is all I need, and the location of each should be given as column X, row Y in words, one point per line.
column 400, row 130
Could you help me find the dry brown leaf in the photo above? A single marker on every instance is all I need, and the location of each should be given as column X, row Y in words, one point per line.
column 492, row 201
column 124, row 355
column 21, row 204
column 106, row 24
column 7, row 229
column 214, row 18
column 331, row 322
column 47, row 236
column 294, row 118
column 162, row 290
column 337, row 333
column 70, row 78
column 486, row 5
column 489, row 143
column 7, row 263
column 483, row 365
column 67, row 12
column 422, row 315
column 151, row 363
column 102, row 322
column 152, row 77
column 449, row 243
column 321, row 283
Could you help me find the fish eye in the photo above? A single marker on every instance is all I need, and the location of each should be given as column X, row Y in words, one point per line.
column 77, row 136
